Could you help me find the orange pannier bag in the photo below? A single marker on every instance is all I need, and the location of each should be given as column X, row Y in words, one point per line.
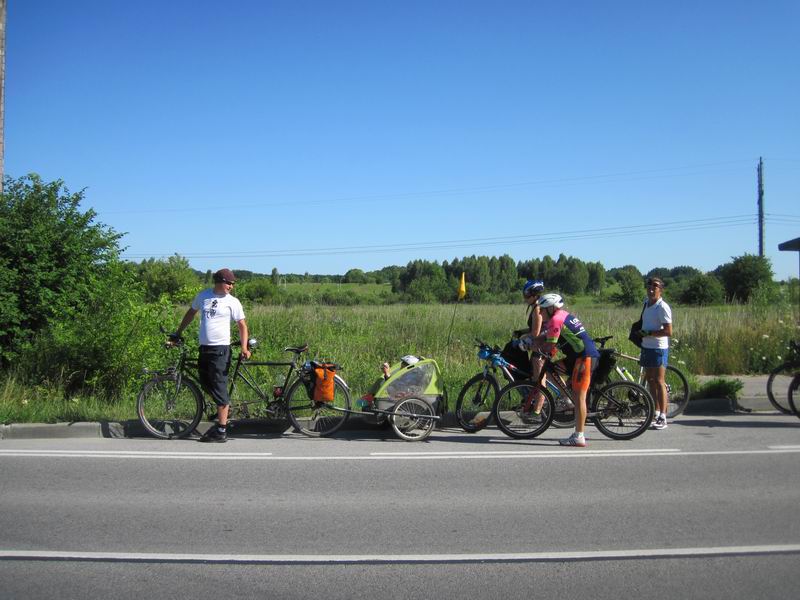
column 324, row 374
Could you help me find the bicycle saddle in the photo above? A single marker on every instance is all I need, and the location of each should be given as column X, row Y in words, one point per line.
column 296, row 349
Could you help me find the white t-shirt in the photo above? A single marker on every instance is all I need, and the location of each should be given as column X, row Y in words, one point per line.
column 216, row 313
column 652, row 319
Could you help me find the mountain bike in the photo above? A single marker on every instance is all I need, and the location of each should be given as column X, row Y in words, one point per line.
column 780, row 379
column 478, row 395
column 621, row 410
column 171, row 403
column 678, row 392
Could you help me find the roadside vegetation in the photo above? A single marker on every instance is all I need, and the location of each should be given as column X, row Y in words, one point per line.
column 78, row 324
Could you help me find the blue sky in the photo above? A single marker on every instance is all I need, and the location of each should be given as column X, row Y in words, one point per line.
column 320, row 136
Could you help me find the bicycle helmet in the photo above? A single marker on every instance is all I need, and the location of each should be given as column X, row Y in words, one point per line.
column 532, row 286
column 409, row 359
column 550, row 300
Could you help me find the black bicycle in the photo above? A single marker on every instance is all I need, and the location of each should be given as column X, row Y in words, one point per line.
column 171, row 404
column 479, row 394
column 780, row 380
column 678, row 392
column 621, row 410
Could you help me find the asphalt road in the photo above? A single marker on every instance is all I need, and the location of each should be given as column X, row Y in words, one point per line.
column 706, row 508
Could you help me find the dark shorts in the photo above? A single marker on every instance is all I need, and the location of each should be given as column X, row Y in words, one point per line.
column 654, row 357
column 213, row 366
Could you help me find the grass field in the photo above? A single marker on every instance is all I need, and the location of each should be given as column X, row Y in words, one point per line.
column 712, row 341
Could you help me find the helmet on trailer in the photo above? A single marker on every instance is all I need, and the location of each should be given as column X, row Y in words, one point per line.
column 532, row 286
column 550, row 300
column 409, row 359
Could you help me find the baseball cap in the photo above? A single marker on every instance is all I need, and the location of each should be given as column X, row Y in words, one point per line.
column 224, row 275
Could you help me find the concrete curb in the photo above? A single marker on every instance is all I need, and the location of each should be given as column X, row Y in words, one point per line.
column 133, row 429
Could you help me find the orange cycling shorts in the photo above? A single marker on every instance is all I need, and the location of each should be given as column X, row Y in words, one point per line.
column 582, row 374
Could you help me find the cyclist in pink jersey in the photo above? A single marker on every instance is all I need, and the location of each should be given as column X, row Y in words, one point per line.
column 565, row 332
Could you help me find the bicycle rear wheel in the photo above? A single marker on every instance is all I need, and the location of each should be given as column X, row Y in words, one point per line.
column 513, row 410
column 475, row 402
column 167, row 411
column 314, row 418
column 678, row 393
column 794, row 395
column 412, row 419
column 780, row 378
column 622, row 410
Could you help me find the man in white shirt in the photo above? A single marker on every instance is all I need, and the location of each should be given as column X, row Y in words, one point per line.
column 657, row 329
column 217, row 309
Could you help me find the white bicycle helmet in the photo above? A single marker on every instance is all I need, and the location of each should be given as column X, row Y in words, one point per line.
column 409, row 359
column 550, row 300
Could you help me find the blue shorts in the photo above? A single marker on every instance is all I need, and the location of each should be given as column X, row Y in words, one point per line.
column 654, row 357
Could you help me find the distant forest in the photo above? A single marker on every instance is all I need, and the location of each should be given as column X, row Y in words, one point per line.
column 495, row 279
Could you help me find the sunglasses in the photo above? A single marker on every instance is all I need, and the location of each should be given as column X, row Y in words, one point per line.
column 228, row 282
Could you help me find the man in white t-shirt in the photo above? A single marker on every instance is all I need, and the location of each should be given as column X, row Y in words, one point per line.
column 657, row 329
column 217, row 309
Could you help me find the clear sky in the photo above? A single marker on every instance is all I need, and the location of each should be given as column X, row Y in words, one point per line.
column 320, row 136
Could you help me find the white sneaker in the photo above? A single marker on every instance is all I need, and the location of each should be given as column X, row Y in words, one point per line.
column 573, row 440
column 660, row 422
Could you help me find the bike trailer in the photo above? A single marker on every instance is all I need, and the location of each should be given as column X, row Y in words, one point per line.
column 421, row 379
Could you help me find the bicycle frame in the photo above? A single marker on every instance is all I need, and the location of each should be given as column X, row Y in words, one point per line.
column 241, row 371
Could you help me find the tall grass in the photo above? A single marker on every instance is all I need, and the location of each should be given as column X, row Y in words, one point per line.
column 713, row 341
column 719, row 340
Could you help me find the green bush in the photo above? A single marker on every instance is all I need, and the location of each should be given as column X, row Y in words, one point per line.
column 744, row 275
column 172, row 277
column 52, row 259
column 102, row 347
column 701, row 290
column 719, row 388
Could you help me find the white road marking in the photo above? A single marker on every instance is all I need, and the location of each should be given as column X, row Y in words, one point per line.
column 633, row 554
column 521, row 452
column 573, row 453
column 134, row 454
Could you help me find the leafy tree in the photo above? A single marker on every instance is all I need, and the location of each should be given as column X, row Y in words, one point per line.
column 575, row 277
column 743, row 275
column 355, row 276
column 425, row 281
column 631, row 287
column 52, row 256
column 597, row 277
column 617, row 272
column 702, row 290
column 276, row 280
column 172, row 277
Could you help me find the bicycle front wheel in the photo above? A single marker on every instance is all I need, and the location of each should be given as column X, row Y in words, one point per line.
column 778, row 386
column 622, row 410
column 678, row 393
column 475, row 402
column 412, row 419
column 794, row 395
column 316, row 418
column 167, row 411
column 514, row 410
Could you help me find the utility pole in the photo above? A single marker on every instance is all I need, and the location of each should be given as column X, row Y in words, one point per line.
column 2, row 90
column 760, row 207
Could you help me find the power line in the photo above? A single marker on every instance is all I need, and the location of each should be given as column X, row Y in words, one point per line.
column 582, row 234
